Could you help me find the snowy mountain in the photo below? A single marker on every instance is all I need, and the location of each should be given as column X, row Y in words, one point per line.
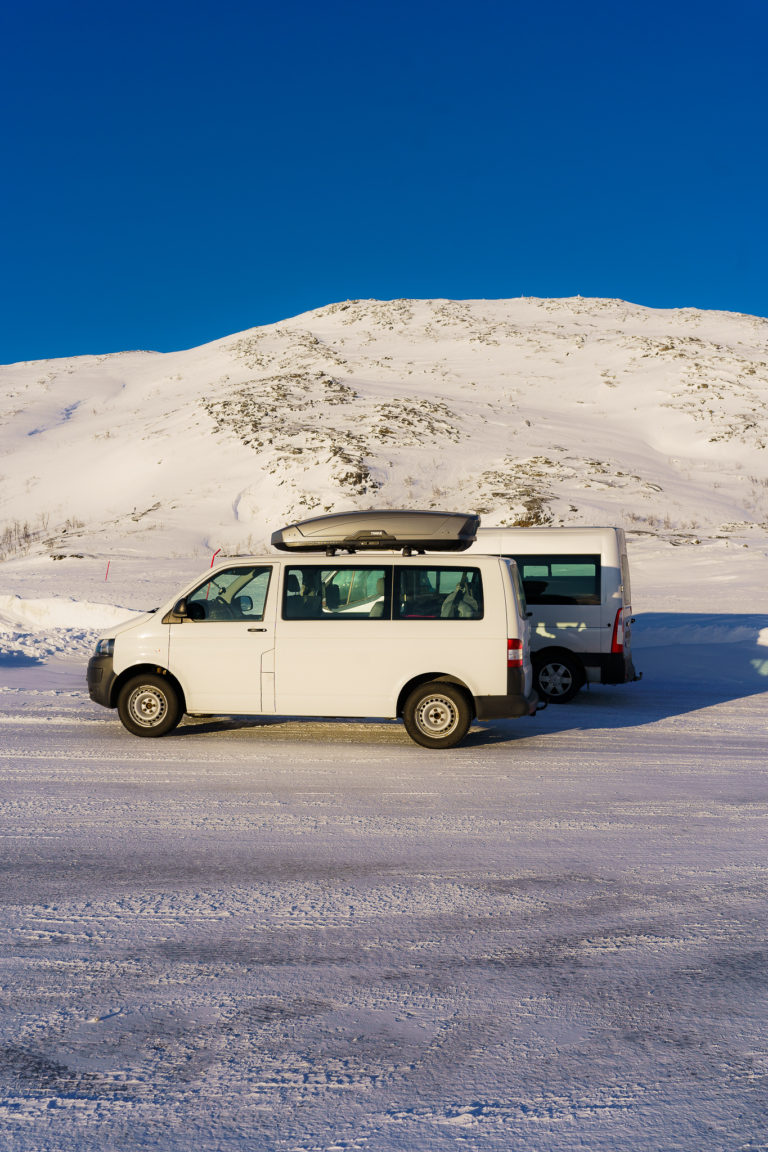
column 529, row 411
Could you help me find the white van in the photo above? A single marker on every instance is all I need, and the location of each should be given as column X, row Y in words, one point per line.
column 436, row 640
column 577, row 589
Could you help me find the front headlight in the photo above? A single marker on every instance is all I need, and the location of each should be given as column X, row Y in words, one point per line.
column 105, row 648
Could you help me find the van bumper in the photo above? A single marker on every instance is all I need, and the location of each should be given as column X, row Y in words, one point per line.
column 505, row 707
column 617, row 668
column 516, row 702
column 101, row 677
column 608, row 667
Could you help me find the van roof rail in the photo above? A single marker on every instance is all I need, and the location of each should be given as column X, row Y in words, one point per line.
column 380, row 529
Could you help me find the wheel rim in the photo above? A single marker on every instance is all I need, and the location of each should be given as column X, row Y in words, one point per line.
column 556, row 679
column 147, row 706
column 436, row 715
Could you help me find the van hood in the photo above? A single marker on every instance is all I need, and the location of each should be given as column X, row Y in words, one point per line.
column 125, row 625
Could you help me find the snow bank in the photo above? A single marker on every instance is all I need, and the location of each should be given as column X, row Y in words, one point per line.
column 18, row 614
column 36, row 629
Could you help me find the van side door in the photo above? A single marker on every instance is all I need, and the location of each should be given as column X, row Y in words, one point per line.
column 334, row 655
column 221, row 650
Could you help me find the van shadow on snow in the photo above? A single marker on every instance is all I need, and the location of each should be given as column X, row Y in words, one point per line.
column 689, row 661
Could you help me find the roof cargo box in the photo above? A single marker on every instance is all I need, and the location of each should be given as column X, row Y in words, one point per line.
column 380, row 529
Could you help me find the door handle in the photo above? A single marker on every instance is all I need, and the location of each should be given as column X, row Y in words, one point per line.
column 257, row 629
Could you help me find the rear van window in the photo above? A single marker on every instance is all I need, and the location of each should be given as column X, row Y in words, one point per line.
column 438, row 593
column 560, row 579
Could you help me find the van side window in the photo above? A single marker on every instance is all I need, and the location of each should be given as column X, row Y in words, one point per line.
column 233, row 594
column 438, row 593
column 341, row 592
column 560, row 579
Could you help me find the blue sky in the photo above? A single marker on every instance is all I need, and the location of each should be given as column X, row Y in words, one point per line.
column 175, row 172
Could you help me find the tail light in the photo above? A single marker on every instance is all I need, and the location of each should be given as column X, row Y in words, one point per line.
column 514, row 653
column 617, row 640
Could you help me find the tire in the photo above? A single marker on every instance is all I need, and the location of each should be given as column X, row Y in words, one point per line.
column 149, row 705
column 558, row 678
column 437, row 715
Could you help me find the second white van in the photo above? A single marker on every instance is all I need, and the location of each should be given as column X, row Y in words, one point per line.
column 577, row 590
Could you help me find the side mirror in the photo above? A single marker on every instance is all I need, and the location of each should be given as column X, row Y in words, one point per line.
column 178, row 613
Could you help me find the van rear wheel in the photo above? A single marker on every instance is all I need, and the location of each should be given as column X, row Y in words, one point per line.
column 149, row 705
column 437, row 715
column 558, row 678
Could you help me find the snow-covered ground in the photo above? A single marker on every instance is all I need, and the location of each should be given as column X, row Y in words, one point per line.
column 316, row 936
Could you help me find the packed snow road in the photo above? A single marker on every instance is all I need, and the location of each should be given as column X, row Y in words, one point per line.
column 318, row 936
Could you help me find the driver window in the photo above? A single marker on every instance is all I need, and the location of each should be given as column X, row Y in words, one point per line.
column 231, row 594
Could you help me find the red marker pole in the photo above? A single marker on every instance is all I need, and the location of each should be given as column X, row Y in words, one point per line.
column 212, row 560
column 107, row 572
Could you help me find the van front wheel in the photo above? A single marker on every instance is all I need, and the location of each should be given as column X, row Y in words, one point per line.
column 437, row 715
column 558, row 678
column 149, row 705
